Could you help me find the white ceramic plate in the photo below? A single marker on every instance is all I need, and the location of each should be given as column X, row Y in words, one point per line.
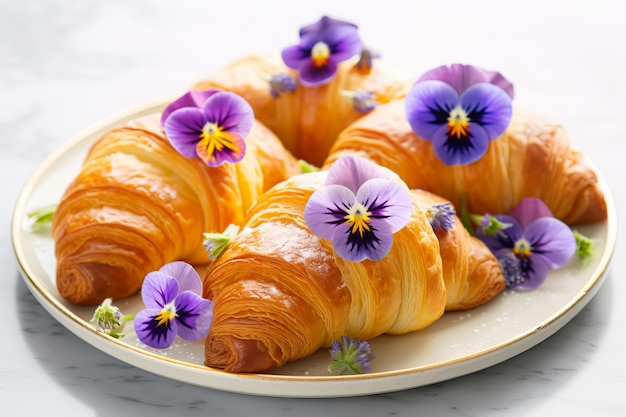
column 457, row 344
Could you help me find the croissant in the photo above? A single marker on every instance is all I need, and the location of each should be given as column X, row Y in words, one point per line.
column 137, row 204
column 532, row 158
column 307, row 120
column 280, row 293
column 472, row 274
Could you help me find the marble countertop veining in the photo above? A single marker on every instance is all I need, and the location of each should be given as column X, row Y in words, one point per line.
column 66, row 65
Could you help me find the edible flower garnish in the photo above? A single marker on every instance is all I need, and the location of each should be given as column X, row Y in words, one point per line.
column 323, row 45
column 109, row 319
column 490, row 225
column 174, row 306
column 215, row 243
column 281, row 83
column 441, row 216
column 350, row 356
column 362, row 101
column 460, row 109
column 359, row 209
column 534, row 243
column 213, row 130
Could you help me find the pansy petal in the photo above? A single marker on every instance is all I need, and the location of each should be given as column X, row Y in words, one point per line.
column 313, row 76
column 530, row 209
column 324, row 23
column 153, row 334
column 460, row 151
column 194, row 315
column 343, row 41
column 536, row 273
column 296, row 56
column 461, row 77
column 428, row 105
column 230, row 112
column 352, row 171
column 158, row 289
column 187, row 277
column 488, row 106
column 193, row 98
column 354, row 248
column 552, row 240
column 327, row 208
column 388, row 201
column 183, row 128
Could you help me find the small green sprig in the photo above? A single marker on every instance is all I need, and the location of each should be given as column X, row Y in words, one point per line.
column 215, row 243
column 110, row 320
column 584, row 246
column 40, row 218
column 306, row 167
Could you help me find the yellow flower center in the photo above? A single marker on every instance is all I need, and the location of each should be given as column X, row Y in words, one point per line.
column 458, row 123
column 320, row 54
column 166, row 315
column 213, row 139
column 522, row 248
column 358, row 217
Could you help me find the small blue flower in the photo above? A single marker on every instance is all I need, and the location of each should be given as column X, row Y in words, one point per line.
column 282, row 83
column 359, row 209
column 441, row 216
column 174, row 306
column 534, row 243
column 350, row 356
column 460, row 109
column 362, row 101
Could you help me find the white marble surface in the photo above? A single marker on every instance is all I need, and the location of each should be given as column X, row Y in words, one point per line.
column 67, row 64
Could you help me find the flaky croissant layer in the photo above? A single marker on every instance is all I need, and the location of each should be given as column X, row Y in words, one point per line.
column 532, row 158
column 137, row 204
column 280, row 292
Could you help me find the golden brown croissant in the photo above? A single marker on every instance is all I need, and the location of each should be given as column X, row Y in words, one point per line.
column 533, row 158
column 137, row 204
column 471, row 272
column 307, row 120
column 280, row 292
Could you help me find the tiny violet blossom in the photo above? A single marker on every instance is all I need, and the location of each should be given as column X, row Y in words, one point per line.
column 109, row 319
column 350, row 356
column 174, row 306
column 359, row 208
column 460, row 109
column 362, row 101
column 323, row 45
column 441, row 216
column 215, row 243
column 213, row 130
column 281, row 83
column 534, row 243
column 490, row 225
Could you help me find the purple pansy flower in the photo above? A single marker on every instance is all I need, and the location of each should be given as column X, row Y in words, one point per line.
column 323, row 45
column 359, row 209
column 213, row 129
column 460, row 109
column 174, row 306
column 532, row 243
